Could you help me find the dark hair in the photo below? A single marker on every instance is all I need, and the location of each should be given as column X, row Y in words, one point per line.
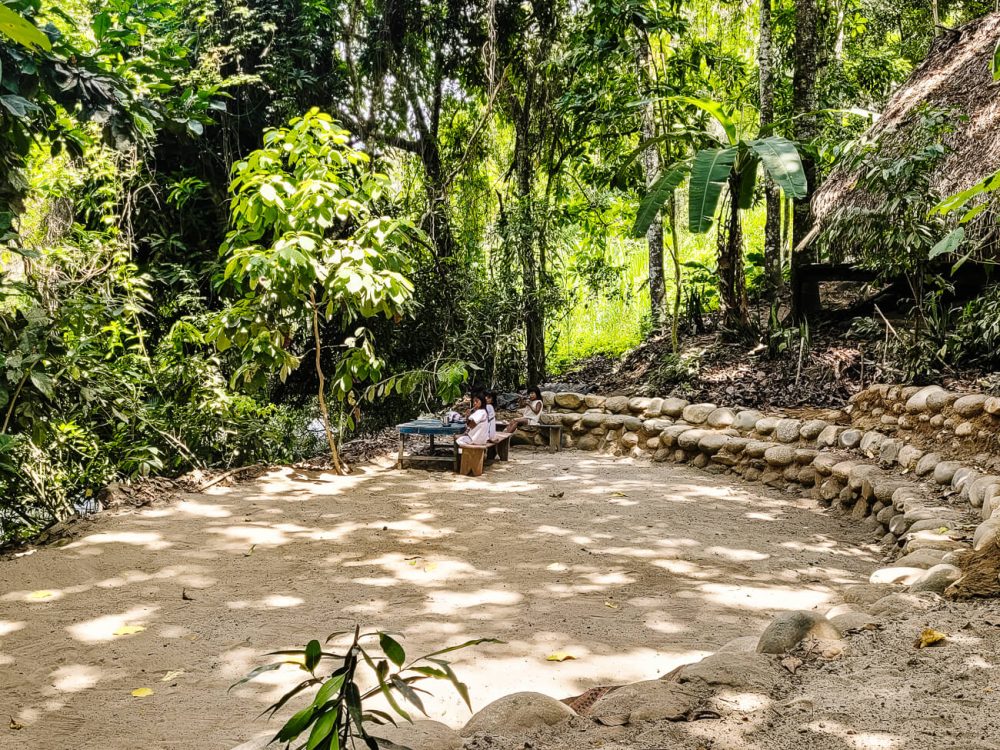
column 492, row 396
column 481, row 396
column 534, row 389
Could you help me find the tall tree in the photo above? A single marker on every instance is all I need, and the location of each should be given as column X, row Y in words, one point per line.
column 805, row 58
column 772, row 222
column 651, row 172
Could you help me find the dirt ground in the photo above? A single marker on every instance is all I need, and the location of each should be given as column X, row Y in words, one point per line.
column 632, row 568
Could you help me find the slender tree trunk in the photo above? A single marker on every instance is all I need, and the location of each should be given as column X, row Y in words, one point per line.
column 838, row 40
column 772, row 222
column 675, row 261
column 935, row 16
column 534, row 318
column 806, row 59
column 651, row 166
column 324, row 412
column 732, row 280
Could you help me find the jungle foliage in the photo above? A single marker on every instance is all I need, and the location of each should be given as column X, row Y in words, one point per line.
column 198, row 197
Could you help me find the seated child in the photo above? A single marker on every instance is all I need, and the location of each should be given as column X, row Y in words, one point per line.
column 477, row 431
column 531, row 413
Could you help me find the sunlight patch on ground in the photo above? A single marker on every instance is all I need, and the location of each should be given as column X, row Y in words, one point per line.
column 148, row 539
column 73, row 678
column 103, row 628
column 9, row 626
column 758, row 597
column 737, row 555
column 274, row 601
column 456, row 602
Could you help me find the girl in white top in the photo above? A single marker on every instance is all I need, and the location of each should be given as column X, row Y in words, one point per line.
column 491, row 412
column 531, row 413
column 477, row 430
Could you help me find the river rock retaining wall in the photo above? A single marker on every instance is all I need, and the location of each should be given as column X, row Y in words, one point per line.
column 912, row 465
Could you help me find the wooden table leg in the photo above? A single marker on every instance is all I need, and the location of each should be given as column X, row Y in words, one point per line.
column 432, row 445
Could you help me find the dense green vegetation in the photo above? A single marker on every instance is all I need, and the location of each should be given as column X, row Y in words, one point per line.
column 221, row 221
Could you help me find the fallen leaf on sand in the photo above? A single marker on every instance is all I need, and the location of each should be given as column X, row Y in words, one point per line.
column 430, row 566
column 129, row 630
column 41, row 594
column 611, row 605
column 15, row 725
column 172, row 675
column 791, row 663
column 141, row 692
column 249, row 551
column 943, row 530
column 929, row 637
column 560, row 656
column 618, row 494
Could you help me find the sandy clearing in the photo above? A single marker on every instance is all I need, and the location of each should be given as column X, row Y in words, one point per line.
column 632, row 567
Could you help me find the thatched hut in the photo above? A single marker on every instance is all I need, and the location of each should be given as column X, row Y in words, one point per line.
column 955, row 76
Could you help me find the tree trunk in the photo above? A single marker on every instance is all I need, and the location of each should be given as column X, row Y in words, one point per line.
column 772, row 222
column 651, row 167
column 675, row 261
column 805, row 52
column 534, row 316
column 324, row 412
column 732, row 280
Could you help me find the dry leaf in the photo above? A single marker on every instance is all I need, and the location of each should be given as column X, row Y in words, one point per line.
column 560, row 656
column 611, row 605
column 129, row 630
column 249, row 551
column 618, row 494
column 141, row 692
column 430, row 566
column 172, row 675
column 943, row 530
column 41, row 594
column 791, row 663
column 929, row 637
column 15, row 725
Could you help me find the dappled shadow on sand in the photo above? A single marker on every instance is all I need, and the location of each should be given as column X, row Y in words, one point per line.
column 630, row 567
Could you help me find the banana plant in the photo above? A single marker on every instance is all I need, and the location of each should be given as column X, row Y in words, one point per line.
column 735, row 164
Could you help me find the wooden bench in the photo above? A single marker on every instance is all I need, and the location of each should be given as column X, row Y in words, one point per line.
column 553, row 432
column 470, row 459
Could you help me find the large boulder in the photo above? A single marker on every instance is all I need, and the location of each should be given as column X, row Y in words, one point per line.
column 789, row 629
column 918, row 401
column 652, row 700
column 516, row 713
column 969, row 406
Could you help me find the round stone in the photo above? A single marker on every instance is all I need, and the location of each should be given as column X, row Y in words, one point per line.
column 940, row 399
column 918, row 401
column 519, row 712
column 779, row 455
column 811, row 430
column 896, row 574
column 697, row 413
column 969, row 406
column 787, row 430
column 789, row 629
column 419, row 735
column 766, row 425
column 638, row 404
column 747, row 419
column 927, row 463
column 712, row 443
column 652, row 700
column 569, row 400
column 721, row 418
column 673, row 407
column 937, row 579
column 593, row 401
column 616, row 404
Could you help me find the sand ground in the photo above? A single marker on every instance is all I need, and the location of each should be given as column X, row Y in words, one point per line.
column 631, row 567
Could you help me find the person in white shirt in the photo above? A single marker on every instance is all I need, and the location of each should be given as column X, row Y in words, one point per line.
column 491, row 412
column 531, row 412
column 477, row 431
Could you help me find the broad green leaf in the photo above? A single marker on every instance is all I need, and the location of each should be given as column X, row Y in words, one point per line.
column 948, row 244
column 782, row 162
column 22, row 31
column 716, row 110
column 322, row 728
column 391, row 648
column 295, row 725
column 313, row 654
column 657, row 195
column 959, row 200
column 709, row 175
column 747, row 182
column 43, row 383
column 329, row 688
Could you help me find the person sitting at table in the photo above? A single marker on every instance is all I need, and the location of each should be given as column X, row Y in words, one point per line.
column 477, row 431
column 491, row 412
column 531, row 413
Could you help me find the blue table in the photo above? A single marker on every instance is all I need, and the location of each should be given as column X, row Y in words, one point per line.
column 431, row 428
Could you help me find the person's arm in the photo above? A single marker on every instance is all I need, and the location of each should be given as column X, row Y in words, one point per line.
column 536, row 406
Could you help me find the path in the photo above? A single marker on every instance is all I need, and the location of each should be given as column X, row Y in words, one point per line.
column 633, row 568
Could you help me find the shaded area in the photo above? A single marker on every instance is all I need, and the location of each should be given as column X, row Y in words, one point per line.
column 632, row 568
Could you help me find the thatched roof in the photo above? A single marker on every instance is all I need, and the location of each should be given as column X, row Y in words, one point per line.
column 956, row 75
